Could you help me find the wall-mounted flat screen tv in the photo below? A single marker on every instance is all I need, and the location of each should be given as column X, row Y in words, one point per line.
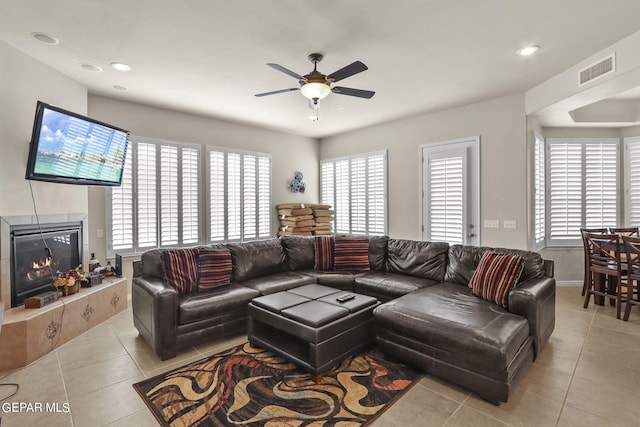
column 73, row 149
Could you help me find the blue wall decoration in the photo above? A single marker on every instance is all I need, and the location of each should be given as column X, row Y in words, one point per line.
column 296, row 185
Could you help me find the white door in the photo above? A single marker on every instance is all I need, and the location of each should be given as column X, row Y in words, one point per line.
column 450, row 192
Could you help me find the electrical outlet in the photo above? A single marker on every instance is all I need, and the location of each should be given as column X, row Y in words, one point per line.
column 491, row 223
column 511, row 223
column 100, row 233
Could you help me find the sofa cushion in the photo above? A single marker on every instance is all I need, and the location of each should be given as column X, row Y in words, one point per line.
column 455, row 326
column 205, row 305
column 386, row 286
column 278, row 282
column 417, row 258
column 152, row 263
column 180, row 268
column 463, row 260
column 300, row 251
column 324, row 248
column 351, row 254
column 495, row 276
column 214, row 268
column 256, row 259
column 335, row 279
column 378, row 252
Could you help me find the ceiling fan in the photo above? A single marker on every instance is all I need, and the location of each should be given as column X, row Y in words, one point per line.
column 316, row 86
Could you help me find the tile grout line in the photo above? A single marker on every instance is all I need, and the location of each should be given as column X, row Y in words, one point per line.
column 64, row 386
column 575, row 368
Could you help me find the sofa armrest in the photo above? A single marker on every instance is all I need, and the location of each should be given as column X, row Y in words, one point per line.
column 535, row 299
column 155, row 313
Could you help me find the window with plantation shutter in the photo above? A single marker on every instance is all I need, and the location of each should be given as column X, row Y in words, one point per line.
column 539, row 194
column 122, row 209
column 356, row 188
column 632, row 182
column 239, row 194
column 168, row 195
column 190, row 196
column 146, row 195
column 157, row 204
column 445, row 197
column 582, row 185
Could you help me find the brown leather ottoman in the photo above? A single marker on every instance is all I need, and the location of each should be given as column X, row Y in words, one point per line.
column 309, row 327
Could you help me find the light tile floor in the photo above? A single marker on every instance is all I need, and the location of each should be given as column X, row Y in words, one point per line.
column 588, row 375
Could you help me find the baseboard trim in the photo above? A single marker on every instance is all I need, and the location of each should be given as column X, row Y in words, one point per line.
column 569, row 283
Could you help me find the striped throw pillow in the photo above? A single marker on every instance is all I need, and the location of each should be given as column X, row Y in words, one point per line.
column 180, row 268
column 215, row 269
column 495, row 276
column 324, row 246
column 351, row 254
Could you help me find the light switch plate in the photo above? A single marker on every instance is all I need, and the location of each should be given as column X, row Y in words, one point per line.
column 509, row 223
column 491, row 223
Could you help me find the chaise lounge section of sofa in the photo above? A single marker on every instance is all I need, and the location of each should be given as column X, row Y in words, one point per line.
column 429, row 317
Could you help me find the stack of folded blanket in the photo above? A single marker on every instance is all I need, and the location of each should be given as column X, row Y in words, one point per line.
column 304, row 219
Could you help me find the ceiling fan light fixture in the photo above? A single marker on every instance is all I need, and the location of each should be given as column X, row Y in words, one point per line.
column 315, row 90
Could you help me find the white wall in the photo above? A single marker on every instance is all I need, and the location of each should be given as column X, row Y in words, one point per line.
column 24, row 81
column 289, row 153
column 501, row 125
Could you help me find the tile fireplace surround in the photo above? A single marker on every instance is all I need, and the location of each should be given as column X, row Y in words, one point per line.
column 27, row 334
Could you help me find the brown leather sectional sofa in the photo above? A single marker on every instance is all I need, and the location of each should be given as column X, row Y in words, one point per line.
column 428, row 319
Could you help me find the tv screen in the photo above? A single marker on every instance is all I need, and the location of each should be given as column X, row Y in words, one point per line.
column 70, row 148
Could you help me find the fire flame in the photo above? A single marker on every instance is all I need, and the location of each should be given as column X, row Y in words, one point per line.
column 41, row 264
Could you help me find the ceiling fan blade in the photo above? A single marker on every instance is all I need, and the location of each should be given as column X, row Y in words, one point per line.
column 353, row 92
column 291, row 89
column 286, row 71
column 348, row 71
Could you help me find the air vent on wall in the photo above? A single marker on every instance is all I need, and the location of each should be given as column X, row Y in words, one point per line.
column 597, row 70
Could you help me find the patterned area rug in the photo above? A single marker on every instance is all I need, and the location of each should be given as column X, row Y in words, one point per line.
column 250, row 386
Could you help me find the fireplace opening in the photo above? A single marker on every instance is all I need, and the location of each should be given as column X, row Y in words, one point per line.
column 40, row 254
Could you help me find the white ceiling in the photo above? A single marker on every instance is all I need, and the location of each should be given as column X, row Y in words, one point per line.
column 209, row 57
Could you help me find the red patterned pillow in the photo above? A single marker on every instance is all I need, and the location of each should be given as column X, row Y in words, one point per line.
column 215, row 269
column 495, row 276
column 351, row 254
column 180, row 269
column 324, row 246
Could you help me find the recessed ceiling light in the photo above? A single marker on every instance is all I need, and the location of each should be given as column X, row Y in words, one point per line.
column 90, row 67
column 119, row 87
column 526, row 51
column 120, row 66
column 45, row 38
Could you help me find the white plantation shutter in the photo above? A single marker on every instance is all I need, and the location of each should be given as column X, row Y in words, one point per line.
column 377, row 194
column 445, row 195
column 632, row 182
column 217, row 211
column 158, row 198
column 249, row 197
column 239, row 195
column 168, row 195
column 342, row 203
column 190, row 196
column 358, row 196
column 601, row 184
column 122, row 209
column 328, row 185
column 356, row 188
column 582, row 187
column 264, row 197
column 146, row 195
column 539, row 193
column 234, row 205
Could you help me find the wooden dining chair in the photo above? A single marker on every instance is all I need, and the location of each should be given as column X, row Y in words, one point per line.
column 632, row 248
column 585, row 283
column 604, row 261
column 625, row 231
